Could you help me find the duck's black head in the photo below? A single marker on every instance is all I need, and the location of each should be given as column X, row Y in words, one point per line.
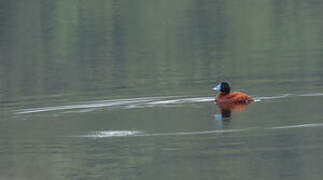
column 224, row 87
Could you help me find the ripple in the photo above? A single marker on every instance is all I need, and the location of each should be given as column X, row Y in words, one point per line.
column 92, row 104
column 298, row 126
column 106, row 134
column 118, row 103
column 144, row 102
column 132, row 133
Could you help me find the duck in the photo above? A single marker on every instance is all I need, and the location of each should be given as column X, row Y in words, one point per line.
column 227, row 97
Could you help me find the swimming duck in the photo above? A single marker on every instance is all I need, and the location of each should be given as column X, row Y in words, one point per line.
column 227, row 97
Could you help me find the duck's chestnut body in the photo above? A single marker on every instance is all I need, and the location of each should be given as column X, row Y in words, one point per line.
column 228, row 97
column 233, row 98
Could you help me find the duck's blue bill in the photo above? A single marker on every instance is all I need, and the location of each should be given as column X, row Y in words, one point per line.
column 217, row 88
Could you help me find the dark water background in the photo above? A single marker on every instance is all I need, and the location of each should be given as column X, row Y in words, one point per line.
column 113, row 89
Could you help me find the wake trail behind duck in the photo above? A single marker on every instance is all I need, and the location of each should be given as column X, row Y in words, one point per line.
column 143, row 102
column 119, row 103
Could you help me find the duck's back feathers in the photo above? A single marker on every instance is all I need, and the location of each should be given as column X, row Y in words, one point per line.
column 234, row 97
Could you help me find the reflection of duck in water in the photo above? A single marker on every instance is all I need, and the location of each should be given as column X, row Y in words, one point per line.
column 228, row 101
column 226, row 109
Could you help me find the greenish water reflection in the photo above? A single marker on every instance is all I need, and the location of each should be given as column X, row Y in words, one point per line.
column 78, row 59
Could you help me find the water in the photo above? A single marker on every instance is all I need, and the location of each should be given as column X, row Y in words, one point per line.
column 123, row 89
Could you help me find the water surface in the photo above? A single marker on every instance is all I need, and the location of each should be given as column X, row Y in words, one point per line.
column 123, row 89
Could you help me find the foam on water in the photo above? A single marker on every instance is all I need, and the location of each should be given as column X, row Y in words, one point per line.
column 104, row 134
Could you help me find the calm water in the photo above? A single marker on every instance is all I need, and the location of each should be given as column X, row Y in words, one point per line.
column 123, row 89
